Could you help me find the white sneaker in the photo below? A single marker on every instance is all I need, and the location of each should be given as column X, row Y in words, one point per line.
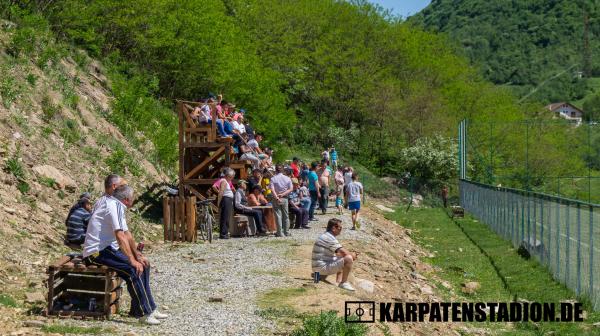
column 149, row 320
column 347, row 286
column 159, row 315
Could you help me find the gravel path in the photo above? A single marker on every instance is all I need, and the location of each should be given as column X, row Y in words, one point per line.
column 237, row 270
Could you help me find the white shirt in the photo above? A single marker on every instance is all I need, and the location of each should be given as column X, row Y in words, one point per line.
column 347, row 178
column 107, row 217
column 324, row 250
column 238, row 126
column 205, row 114
column 353, row 191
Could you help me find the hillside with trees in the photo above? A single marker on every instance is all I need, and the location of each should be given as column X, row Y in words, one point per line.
column 525, row 44
column 309, row 72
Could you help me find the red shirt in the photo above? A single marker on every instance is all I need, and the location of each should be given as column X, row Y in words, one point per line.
column 295, row 170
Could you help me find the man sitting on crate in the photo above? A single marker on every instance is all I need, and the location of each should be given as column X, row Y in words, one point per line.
column 108, row 242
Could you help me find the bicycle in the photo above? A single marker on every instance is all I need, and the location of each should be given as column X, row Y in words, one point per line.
column 205, row 219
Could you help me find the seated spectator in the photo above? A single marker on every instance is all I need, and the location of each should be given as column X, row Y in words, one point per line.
column 238, row 123
column 241, row 207
column 203, row 115
column 108, row 242
column 265, row 183
column 255, row 179
column 329, row 257
column 304, row 195
column 296, row 208
column 256, row 197
column 77, row 220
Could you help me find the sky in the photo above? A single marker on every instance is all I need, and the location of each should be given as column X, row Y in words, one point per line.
column 403, row 7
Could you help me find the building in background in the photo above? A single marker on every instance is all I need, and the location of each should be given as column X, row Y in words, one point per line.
column 566, row 111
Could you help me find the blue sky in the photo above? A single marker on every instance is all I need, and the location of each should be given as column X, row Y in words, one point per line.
column 403, row 7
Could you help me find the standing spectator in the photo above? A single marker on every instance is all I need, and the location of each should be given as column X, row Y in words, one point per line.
column 77, row 221
column 313, row 189
column 304, row 172
column 241, row 207
column 445, row 195
column 334, row 157
column 296, row 206
column 324, row 175
column 347, row 179
column 354, row 192
column 281, row 187
column 225, row 203
column 295, row 168
column 325, row 155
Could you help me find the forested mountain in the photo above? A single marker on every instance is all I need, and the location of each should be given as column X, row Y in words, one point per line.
column 523, row 43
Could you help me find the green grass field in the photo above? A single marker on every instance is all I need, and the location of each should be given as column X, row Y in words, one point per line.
column 469, row 251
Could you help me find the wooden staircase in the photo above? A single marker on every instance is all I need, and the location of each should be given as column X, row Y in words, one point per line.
column 202, row 153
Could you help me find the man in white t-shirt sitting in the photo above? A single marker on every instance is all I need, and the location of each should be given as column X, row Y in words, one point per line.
column 329, row 257
column 108, row 242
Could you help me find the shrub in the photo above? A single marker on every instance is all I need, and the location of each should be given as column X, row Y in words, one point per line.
column 431, row 160
column 329, row 324
column 31, row 79
column 9, row 88
column 47, row 181
column 14, row 167
column 49, row 109
column 70, row 132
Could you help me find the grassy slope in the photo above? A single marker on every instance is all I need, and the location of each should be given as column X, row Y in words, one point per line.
column 461, row 260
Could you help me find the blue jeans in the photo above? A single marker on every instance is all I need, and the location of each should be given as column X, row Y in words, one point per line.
column 220, row 128
column 138, row 287
column 313, row 204
column 305, row 203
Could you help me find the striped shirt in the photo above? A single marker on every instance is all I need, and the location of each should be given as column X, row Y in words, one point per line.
column 77, row 224
column 324, row 249
column 107, row 217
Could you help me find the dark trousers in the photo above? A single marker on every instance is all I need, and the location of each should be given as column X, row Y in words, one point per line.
column 258, row 218
column 138, row 287
column 324, row 200
column 225, row 211
column 313, row 204
column 301, row 216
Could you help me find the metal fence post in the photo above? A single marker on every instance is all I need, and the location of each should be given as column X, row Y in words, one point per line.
column 542, row 230
column 567, row 269
column 578, row 249
column 557, row 239
column 591, row 261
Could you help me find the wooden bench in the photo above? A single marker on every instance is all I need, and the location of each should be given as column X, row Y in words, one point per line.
column 71, row 285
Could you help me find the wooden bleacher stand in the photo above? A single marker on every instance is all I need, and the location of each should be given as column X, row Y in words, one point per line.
column 202, row 156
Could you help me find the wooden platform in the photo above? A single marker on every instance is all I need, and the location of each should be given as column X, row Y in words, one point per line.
column 72, row 283
column 203, row 154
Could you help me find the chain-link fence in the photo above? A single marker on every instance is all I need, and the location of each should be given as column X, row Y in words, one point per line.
column 558, row 232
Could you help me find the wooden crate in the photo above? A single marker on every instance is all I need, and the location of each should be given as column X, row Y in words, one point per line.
column 71, row 281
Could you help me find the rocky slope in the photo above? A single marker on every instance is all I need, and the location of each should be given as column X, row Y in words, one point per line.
column 55, row 143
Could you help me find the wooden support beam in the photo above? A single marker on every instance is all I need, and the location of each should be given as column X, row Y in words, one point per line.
column 204, row 145
column 205, row 163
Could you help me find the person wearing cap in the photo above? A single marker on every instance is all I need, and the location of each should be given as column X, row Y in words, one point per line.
column 77, row 220
column 296, row 207
column 241, row 207
column 238, row 123
column 281, row 186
